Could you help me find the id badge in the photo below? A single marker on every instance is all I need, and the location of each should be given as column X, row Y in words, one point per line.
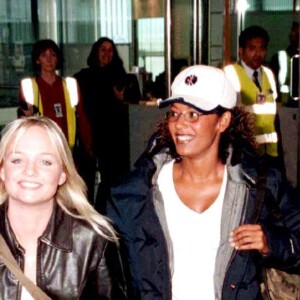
column 261, row 98
column 58, row 110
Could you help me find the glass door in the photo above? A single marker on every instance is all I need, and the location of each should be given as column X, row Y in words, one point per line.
column 168, row 36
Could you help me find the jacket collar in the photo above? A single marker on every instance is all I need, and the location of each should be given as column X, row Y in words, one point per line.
column 241, row 171
column 238, row 173
column 7, row 232
column 58, row 233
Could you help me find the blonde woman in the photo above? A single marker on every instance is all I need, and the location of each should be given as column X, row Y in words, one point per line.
column 62, row 244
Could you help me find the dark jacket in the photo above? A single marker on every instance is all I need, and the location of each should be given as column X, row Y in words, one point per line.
column 73, row 261
column 103, row 109
column 137, row 210
column 96, row 87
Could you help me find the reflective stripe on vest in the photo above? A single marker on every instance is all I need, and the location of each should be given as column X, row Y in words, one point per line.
column 267, row 138
column 72, row 89
column 283, row 67
column 262, row 109
column 27, row 90
column 31, row 94
column 232, row 76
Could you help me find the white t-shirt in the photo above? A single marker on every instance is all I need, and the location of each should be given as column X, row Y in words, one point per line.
column 25, row 295
column 195, row 238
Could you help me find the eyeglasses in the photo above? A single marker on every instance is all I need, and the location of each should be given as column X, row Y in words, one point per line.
column 189, row 116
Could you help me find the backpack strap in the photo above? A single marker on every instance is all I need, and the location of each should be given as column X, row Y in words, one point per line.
column 10, row 262
column 261, row 190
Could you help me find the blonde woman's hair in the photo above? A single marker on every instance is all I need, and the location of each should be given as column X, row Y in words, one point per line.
column 70, row 196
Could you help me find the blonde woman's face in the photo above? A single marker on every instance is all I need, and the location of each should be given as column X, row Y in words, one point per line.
column 105, row 53
column 32, row 169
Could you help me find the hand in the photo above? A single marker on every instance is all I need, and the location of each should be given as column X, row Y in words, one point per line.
column 249, row 237
column 25, row 110
column 28, row 113
column 119, row 94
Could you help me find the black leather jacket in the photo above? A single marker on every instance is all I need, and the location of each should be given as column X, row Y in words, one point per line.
column 73, row 261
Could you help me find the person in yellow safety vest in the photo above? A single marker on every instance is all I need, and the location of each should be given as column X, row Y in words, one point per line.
column 53, row 96
column 281, row 65
column 256, row 88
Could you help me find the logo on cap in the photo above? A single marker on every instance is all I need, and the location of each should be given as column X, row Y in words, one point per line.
column 191, row 80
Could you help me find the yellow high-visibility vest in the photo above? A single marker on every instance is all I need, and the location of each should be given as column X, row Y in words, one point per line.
column 264, row 112
column 284, row 62
column 31, row 94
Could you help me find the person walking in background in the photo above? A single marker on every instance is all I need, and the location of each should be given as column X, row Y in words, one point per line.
column 280, row 64
column 256, row 86
column 50, row 95
column 184, row 213
column 102, row 88
column 60, row 242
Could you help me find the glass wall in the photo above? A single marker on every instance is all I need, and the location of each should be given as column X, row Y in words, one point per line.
column 150, row 36
column 16, row 35
column 137, row 27
column 84, row 21
column 74, row 24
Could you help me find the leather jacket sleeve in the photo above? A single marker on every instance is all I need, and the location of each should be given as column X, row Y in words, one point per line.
column 107, row 280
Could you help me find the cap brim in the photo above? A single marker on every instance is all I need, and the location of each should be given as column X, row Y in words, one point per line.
column 166, row 102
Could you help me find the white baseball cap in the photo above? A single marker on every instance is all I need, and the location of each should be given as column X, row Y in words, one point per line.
column 203, row 88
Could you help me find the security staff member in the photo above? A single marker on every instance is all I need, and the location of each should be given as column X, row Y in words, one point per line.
column 53, row 96
column 256, row 86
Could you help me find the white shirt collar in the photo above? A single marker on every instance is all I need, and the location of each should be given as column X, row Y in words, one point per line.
column 250, row 71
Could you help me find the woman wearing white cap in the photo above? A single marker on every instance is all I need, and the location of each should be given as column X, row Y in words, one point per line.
column 185, row 213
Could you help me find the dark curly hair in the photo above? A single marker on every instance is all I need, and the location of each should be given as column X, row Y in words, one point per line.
column 239, row 134
column 41, row 46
